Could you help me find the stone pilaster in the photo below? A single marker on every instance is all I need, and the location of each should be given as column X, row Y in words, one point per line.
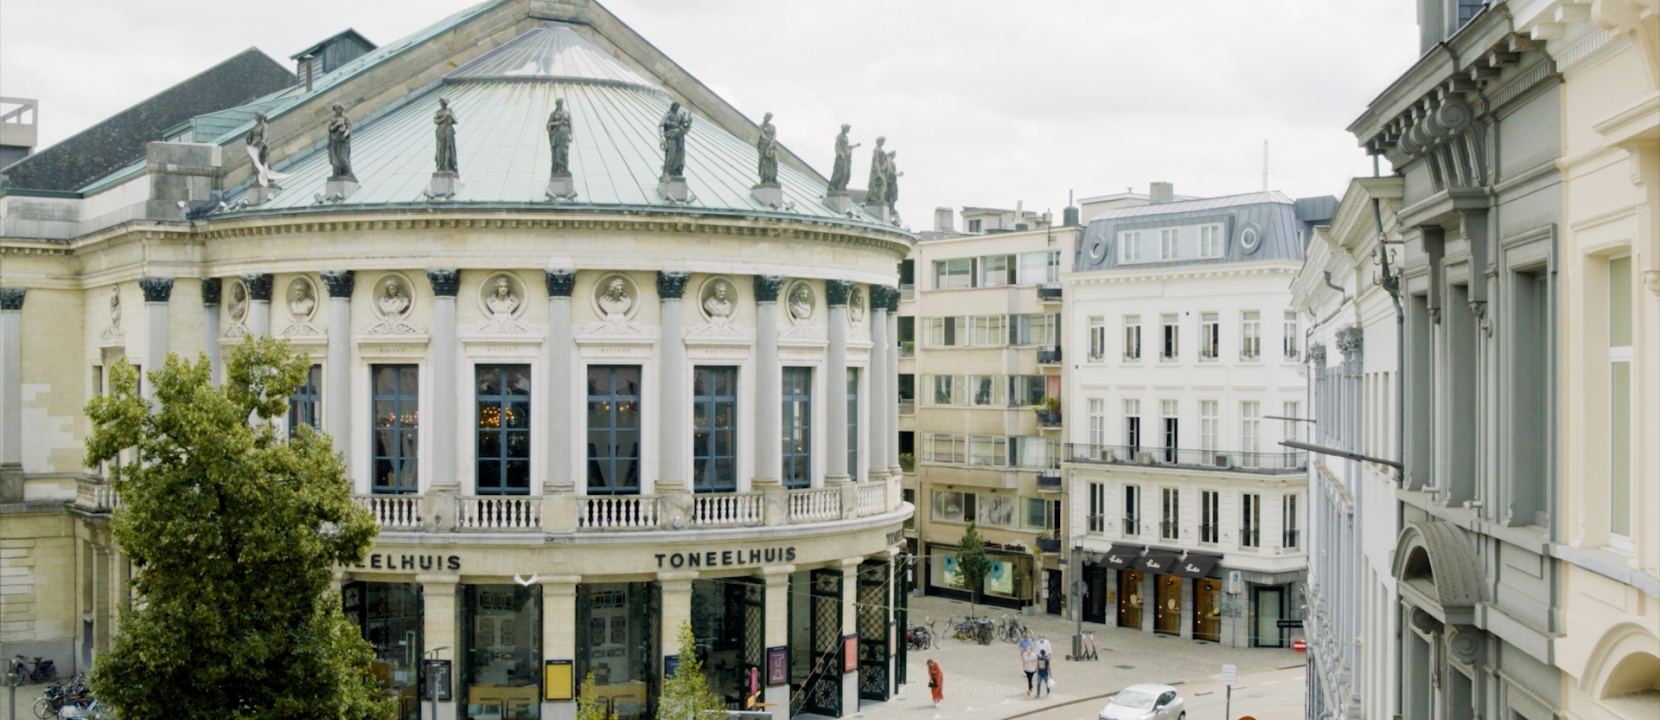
column 259, row 302
column 674, row 435
column 438, row 613
column 337, row 377
column 560, row 478
column 777, row 579
column 891, row 435
column 445, row 283
column 850, row 623
column 213, row 290
column 835, row 382
column 11, row 394
column 157, row 290
column 677, row 606
column 876, row 397
column 769, row 380
column 559, row 634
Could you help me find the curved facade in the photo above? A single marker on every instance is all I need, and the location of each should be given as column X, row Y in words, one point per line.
column 582, row 415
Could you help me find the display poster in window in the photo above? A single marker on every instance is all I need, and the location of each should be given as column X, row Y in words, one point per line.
column 670, row 665
column 1000, row 578
column 953, row 572
column 438, row 673
column 850, row 653
column 558, row 678
column 778, row 665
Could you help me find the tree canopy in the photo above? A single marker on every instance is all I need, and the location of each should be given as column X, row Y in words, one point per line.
column 972, row 563
column 233, row 529
column 686, row 694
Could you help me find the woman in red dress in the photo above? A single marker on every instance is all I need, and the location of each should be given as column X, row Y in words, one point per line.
column 936, row 682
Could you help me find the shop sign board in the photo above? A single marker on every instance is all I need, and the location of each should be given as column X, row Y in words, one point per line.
column 725, row 558
column 850, row 654
column 778, row 665
column 558, row 680
column 1230, row 674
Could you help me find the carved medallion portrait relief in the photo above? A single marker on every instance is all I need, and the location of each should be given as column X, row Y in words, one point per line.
column 502, row 297
column 238, row 307
column 615, row 298
column 718, row 300
column 302, row 300
column 392, row 297
column 801, row 303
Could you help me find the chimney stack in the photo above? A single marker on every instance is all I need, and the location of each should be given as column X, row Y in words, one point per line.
column 944, row 220
column 1161, row 192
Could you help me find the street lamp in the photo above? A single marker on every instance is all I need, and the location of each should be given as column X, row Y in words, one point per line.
column 432, row 677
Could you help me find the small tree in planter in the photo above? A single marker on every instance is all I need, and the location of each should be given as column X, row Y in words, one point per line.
column 589, row 706
column 686, row 694
column 973, row 564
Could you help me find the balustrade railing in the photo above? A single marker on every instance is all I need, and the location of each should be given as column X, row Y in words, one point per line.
column 393, row 511
column 873, row 498
column 1260, row 462
column 96, row 495
column 727, row 510
column 488, row 512
column 618, row 512
column 815, row 505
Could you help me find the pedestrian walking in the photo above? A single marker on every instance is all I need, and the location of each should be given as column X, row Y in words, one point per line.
column 1043, row 674
column 1043, row 645
column 1028, row 662
column 936, row 682
column 1025, row 643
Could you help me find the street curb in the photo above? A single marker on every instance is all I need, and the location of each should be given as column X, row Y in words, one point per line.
column 1047, row 708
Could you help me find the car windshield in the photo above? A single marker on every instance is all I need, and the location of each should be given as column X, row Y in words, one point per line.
column 1134, row 699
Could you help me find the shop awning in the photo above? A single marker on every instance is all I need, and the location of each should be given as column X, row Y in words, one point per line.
column 1122, row 557
column 1158, row 561
column 1196, row 565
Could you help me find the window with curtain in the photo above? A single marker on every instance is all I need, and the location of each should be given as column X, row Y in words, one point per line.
column 797, row 396
column 503, row 433
column 396, row 401
column 613, row 429
column 714, row 425
column 307, row 398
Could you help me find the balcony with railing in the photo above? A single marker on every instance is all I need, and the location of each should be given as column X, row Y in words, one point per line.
column 1049, row 544
column 95, row 496
column 1049, row 292
column 1049, row 356
column 907, row 348
column 1279, row 463
column 1289, row 539
column 907, row 407
column 1049, row 481
column 1132, row 525
column 568, row 513
column 1047, row 418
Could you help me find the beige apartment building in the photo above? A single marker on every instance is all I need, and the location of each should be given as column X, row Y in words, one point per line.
column 979, row 408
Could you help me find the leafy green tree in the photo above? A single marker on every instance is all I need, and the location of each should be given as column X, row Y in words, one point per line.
column 589, row 705
column 973, row 564
column 686, row 695
column 233, row 531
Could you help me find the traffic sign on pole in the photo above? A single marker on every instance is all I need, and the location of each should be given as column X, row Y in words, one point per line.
column 1230, row 673
column 1299, row 645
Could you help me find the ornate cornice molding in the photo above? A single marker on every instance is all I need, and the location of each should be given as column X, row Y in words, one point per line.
column 445, row 283
column 671, row 285
column 159, row 289
column 767, row 287
column 560, row 282
column 340, row 283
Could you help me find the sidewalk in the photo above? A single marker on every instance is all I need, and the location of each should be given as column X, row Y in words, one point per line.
column 987, row 682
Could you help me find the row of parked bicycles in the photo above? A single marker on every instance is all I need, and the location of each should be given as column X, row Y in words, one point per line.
column 64, row 699
column 981, row 629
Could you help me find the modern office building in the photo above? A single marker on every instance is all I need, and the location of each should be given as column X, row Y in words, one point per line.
column 585, row 408
column 980, row 402
column 1182, row 347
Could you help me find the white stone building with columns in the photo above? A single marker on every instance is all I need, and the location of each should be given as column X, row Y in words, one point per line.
column 583, row 413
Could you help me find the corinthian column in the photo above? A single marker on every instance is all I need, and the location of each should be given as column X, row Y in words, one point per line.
column 444, row 430
column 259, row 303
column 892, row 431
column 212, row 291
column 560, row 283
column 156, row 292
column 673, row 434
column 835, row 381
column 877, row 398
column 337, row 380
column 769, row 380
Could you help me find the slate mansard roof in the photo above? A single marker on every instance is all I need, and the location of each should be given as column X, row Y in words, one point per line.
column 120, row 140
column 1279, row 224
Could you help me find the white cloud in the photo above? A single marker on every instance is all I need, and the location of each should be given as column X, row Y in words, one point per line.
column 986, row 102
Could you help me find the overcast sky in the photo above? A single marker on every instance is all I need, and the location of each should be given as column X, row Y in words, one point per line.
column 987, row 103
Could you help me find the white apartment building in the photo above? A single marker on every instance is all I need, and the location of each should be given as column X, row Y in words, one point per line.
column 979, row 404
column 1183, row 350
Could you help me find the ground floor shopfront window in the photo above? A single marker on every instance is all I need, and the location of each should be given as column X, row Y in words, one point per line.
column 1167, row 617
column 1008, row 579
column 501, row 631
column 389, row 616
column 1207, row 610
column 618, row 640
column 729, row 625
column 1129, row 599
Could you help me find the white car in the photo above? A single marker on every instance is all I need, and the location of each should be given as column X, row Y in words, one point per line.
column 1146, row 702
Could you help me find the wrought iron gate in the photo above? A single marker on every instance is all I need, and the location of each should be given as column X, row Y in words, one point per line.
column 822, row 694
column 874, row 589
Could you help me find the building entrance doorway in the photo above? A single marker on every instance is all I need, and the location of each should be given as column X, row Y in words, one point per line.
column 1129, row 599
column 1095, row 594
column 1207, row 610
column 1055, row 589
column 1269, row 603
column 1167, row 616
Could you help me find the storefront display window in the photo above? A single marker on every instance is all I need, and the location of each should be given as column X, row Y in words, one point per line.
column 617, row 641
column 727, row 623
column 501, row 630
column 389, row 614
column 1009, row 576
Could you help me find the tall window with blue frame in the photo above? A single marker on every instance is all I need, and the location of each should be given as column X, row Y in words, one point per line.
column 614, row 430
column 853, row 469
column 503, row 434
column 798, row 427
column 396, row 398
column 302, row 406
column 714, row 425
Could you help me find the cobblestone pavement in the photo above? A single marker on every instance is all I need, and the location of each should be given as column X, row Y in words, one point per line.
column 986, row 682
column 26, row 695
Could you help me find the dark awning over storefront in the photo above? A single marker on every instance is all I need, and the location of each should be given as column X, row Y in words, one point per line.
column 1122, row 557
column 1158, row 561
column 1196, row 565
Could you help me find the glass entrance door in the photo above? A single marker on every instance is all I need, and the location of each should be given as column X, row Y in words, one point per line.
column 1207, row 610
column 1268, row 632
column 1129, row 599
column 1167, row 617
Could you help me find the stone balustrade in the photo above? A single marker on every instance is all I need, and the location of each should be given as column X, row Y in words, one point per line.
column 95, row 495
column 393, row 511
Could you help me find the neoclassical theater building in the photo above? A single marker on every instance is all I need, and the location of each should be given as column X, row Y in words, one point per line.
column 583, row 409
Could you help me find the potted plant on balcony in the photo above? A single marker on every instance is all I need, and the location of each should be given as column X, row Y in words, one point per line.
column 907, row 461
column 1049, row 411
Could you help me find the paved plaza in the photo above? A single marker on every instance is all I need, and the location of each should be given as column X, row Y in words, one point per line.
column 986, row 682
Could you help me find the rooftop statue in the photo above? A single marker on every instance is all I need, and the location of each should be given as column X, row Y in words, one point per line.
column 340, row 145
column 843, row 169
column 559, row 138
column 446, row 122
column 676, row 123
column 767, row 147
column 890, row 194
column 260, row 153
column 878, row 190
